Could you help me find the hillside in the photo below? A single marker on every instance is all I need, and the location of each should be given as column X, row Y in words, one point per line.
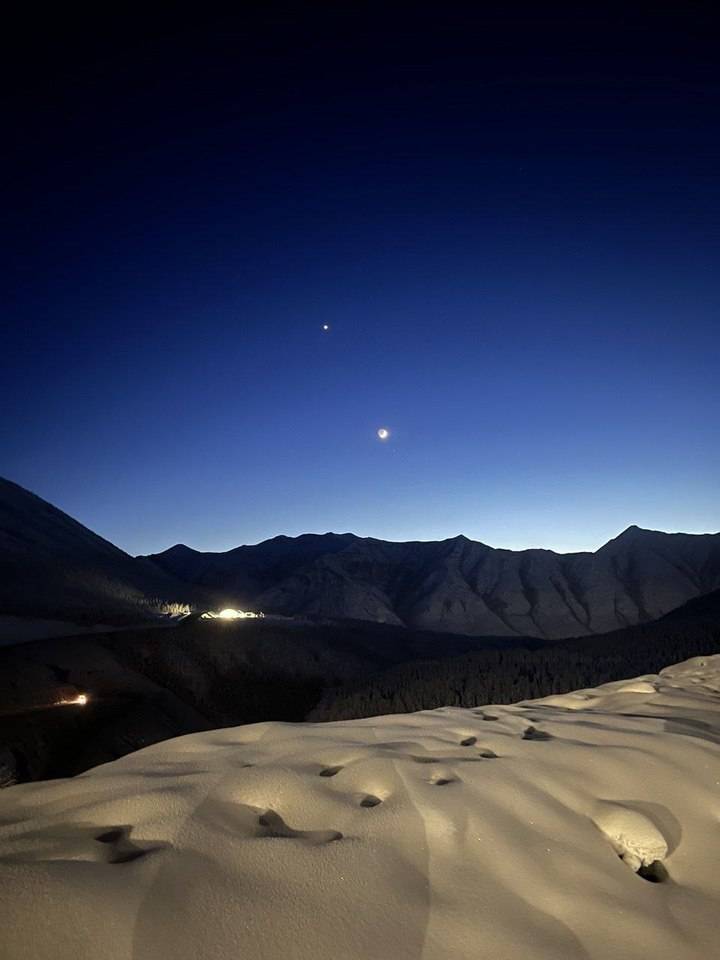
column 520, row 672
column 460, row 585
column 54, row 568
column 147, row 685
column 578, row 827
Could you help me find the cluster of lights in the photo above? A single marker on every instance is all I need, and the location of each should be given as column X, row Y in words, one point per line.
column 230, row 614
column 79, row 701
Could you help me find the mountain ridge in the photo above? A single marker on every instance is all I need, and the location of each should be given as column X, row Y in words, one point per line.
column 461, row 585
column 53, row 567
column 632, row 529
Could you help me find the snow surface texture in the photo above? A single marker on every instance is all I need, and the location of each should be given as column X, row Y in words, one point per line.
column 585, row 825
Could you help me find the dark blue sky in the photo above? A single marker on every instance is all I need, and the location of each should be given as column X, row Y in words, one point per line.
column 510, row 223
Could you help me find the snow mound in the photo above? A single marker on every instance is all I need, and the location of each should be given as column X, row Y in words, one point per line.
column 633, row 835
column 506, row 833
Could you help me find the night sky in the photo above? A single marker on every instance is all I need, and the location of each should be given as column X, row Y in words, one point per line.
column 509, row 221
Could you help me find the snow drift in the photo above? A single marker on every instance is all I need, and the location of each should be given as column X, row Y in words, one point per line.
column 585, row 825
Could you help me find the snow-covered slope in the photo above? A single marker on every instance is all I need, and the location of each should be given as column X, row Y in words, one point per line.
column 585, row 825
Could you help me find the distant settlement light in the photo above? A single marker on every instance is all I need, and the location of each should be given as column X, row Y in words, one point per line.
column 79, row 701
column 230, row 614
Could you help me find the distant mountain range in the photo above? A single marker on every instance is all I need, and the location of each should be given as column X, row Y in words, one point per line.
column 460, row 585
column 52, row 566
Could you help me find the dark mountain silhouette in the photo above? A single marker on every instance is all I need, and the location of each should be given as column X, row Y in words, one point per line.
column 53, row 567
column 460, row 585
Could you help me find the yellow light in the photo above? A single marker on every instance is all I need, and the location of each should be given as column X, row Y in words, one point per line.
column 383, row 433
column 79, row 701
column 230, row 614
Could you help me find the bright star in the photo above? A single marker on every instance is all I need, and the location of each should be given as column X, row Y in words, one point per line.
column 383, row 433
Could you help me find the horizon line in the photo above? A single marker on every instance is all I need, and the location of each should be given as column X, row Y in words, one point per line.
column 459, row 536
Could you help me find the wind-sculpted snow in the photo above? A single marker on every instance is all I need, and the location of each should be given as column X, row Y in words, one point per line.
column 585, row 825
